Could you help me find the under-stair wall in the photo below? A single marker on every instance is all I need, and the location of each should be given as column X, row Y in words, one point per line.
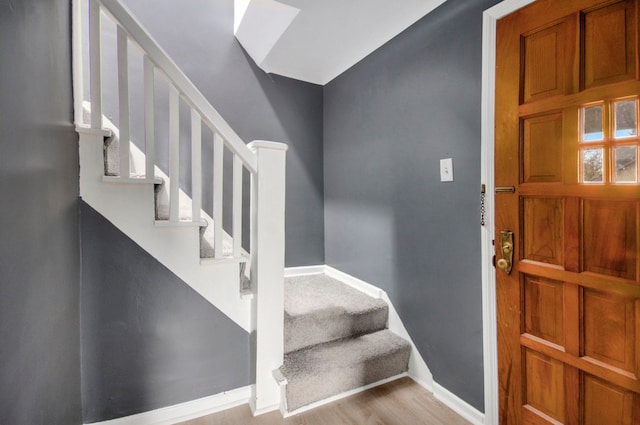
column 148, row 339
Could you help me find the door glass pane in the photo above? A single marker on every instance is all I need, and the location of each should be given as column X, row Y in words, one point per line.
column 592, row 166
column 626, row 164
column 592, row 123
column 626, row 122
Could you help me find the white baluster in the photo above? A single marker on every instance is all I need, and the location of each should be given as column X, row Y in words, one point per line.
column 196, row 165
column 174, row 153
column 95, row 67
column 149, row 119
column 79, row 19
column 123, row 102
column 218, row 171
column 237, row 206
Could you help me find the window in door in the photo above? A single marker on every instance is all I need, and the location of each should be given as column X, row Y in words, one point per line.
column 609, row 142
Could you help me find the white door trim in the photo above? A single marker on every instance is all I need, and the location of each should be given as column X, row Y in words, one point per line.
column 490, row 336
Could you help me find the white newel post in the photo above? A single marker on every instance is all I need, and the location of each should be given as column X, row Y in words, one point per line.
column 267, row 269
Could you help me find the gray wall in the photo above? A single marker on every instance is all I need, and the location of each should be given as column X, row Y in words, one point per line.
column 39, row 255
column 198, row 36
column 148, row 339
column 388, row 218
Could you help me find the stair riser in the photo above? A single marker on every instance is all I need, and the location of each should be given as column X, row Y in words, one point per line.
column 305, row 331
column 301, row 392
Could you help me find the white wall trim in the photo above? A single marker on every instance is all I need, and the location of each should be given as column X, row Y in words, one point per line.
column 458, row 405
column 360, row 285
column 186, row 411
column 418, row 369
column 490, row 336
column 303, row 271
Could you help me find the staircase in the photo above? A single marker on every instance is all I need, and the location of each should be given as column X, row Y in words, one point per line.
column 120, row 177
column 315, row 335
column 336, row 340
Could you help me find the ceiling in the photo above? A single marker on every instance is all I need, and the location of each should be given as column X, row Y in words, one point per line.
column 317, row 40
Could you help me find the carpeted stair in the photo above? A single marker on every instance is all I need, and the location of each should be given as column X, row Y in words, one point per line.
column 335, row 340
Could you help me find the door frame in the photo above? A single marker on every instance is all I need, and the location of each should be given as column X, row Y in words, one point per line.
column 489, row 317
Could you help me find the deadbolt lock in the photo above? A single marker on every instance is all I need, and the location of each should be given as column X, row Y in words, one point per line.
column 506, row 251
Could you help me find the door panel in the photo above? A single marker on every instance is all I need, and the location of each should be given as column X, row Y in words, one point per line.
column 542, row 234
column 544, row 385
column 567, row 112
column 609, row 330
column 542, row 148
column 610, row 238
column 606, row 404
column 544, row 62
column 609, row 44
column 543, row 309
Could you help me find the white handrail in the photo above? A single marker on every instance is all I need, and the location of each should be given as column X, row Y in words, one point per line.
column 191, row 94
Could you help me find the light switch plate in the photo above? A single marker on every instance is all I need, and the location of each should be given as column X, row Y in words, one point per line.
column 446, row 170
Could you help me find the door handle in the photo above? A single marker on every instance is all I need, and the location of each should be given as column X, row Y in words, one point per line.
column 506, row 251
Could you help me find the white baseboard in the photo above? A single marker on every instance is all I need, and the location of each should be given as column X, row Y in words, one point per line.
column 303, row 271
column 186, row 411
column 354, row 282
column 458, row 405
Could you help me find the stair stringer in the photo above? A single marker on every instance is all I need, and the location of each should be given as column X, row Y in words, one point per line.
column 129, row 205
column 137, row 166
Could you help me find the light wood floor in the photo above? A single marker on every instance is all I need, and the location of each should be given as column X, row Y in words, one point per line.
column 401, row 402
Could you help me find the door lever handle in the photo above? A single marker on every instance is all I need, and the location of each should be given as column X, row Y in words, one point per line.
column 506, row 251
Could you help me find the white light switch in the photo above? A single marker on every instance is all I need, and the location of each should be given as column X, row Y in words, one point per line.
column 446, row 170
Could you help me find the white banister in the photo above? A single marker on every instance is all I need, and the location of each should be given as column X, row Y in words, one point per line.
column 237, row 206
column 95, row 67
column 218, row 173
column 149, row 118
column 191, row 94
column 196, row 165
column 174, row 153
column 267, row 267
column 123, row 102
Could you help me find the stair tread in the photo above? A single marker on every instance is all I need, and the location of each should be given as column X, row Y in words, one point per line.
column 316, row 293
column 343, row 353
column 322, row 371
column 320, row 309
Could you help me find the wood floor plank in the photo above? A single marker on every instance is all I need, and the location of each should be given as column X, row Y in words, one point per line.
column 401, row 402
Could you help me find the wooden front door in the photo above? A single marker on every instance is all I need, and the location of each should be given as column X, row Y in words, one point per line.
column 567, row 87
